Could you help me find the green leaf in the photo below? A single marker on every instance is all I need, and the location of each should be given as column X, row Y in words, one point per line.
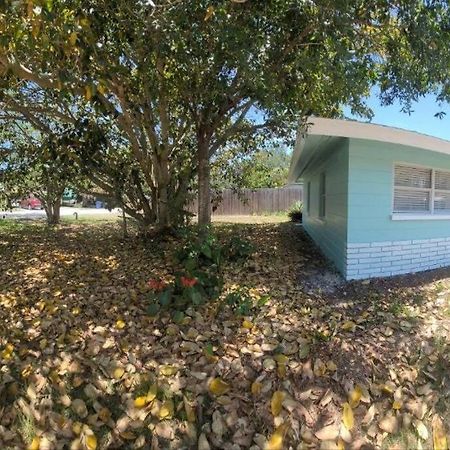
column 153, row 309
column 165, row 297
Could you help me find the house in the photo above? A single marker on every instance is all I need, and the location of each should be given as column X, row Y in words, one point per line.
column 376, row 198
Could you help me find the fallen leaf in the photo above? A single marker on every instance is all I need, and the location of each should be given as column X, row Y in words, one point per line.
column 354, row 396
column 256, row 388
column 166, row 410
column 421, row 429
column 218, row 386
column 439, row 436
column 276, row 404
column 328, row 433
column 34, row 445
column 347, row 417
column 276, row 440
column 140, row 402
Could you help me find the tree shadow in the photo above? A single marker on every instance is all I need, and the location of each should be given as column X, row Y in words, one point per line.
column 65, row 293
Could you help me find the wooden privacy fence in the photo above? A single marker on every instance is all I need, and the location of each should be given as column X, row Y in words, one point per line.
column 256, row 201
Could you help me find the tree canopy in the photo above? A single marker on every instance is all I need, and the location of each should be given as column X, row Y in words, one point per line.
column 179, row 81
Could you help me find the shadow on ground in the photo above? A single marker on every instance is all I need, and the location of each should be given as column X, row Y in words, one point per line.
column 67, row 359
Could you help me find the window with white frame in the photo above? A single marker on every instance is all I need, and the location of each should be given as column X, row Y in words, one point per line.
column 308, row 197
column 421, row 190
column 322, row 195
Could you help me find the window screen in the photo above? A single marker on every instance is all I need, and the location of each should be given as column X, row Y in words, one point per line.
column 322, row 195
column 412, row 192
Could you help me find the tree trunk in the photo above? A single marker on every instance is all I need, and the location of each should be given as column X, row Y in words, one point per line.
column 204, row 191
column 53, row 211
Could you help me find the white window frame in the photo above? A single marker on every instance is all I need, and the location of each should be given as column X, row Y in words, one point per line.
column 419, row 215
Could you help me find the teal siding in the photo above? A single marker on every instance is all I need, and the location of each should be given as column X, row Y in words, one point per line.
column 370, row 193
column 330, row 233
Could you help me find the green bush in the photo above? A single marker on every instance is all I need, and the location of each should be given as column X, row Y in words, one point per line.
column 295, row 213
column 237, row 248
column 199, row 279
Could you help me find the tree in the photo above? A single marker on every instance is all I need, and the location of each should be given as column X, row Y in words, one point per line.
column 33, row 163
column 262, row 168
column 180, row 80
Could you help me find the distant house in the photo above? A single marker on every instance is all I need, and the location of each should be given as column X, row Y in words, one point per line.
column 377, row 199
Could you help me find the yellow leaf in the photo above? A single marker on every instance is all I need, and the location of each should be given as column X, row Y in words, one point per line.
column 439, row 436
column 152, row 392
column 397, row 404
column 247, row 325
column 209, row 13
column 118, row 373
column 140, row 402
column 347, row 417
column 76, row 311
column 281, row 359
column 88, row 96
column 91, row 442
column 101, row 88
column 281, row 370
column 256, row 388
column 167, row 370
column 354, row 396
column 276, row 404
column 218, row 386
column 34, row 445
column 276, row 440
column 166, row 410
column 76, row 427
column 349, row 326
column 73, row 38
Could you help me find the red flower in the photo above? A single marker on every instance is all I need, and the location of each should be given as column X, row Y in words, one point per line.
column 188, row 282
column 156, row 285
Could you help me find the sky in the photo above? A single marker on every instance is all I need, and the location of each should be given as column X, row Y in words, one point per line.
column 421, row 119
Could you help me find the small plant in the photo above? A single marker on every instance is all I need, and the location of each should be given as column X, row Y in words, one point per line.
column 199, row 279
column 295, row 213
column 237, row 248
column 243, row 301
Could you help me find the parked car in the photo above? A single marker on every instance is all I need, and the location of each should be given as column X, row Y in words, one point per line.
column 31, row 203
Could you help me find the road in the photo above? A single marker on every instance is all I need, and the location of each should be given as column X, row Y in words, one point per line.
column 66, row 211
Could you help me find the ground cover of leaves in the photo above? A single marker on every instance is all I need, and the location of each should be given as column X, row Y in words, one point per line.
column 357, row 365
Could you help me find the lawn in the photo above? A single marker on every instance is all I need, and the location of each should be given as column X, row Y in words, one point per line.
column 300, row 360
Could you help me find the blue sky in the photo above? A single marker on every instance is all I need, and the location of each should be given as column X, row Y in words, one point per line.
column 421, row 120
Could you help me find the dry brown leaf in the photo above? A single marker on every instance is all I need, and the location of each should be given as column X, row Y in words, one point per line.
column 328, row 433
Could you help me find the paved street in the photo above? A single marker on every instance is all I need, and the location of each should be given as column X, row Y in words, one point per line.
column 66, row 211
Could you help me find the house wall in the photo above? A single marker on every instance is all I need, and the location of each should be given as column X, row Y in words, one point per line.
column 376, row 244
column 329, row 233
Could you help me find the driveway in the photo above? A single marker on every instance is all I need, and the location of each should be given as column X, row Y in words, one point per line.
column 66, row 211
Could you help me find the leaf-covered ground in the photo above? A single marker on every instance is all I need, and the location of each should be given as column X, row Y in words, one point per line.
column 322, row 364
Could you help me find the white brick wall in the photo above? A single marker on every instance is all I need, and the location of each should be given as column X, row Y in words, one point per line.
column 384, row 259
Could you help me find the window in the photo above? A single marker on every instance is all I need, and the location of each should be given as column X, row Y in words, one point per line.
column 421, row 190
column 308, row 197
column 322, row 196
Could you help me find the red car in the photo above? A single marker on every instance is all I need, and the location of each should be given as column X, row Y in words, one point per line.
column 31, row 203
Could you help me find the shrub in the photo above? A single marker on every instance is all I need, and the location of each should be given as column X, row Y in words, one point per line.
column 295, row 213
column 237, row 248
column 198, row 280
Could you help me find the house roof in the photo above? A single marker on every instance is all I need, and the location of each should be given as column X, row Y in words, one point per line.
column 321, row 131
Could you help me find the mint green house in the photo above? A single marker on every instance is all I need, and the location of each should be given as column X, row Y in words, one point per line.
column 376, row 199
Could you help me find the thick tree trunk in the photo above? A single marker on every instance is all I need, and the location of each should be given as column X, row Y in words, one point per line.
column 204, row 188
column 53, row 211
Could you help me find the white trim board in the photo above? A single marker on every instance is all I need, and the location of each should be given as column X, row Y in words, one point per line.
column 380, row 133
